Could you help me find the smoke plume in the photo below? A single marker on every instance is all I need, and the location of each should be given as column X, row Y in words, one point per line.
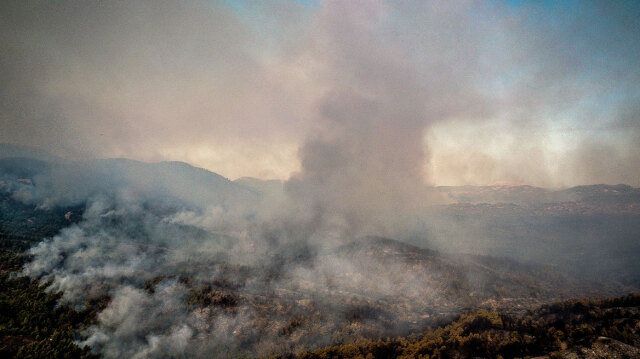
column 358, row 106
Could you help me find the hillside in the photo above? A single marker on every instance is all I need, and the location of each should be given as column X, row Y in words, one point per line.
column 608, row 328
column 51, row 184
column 170, row 251
column 348, row 293
column 371, row 288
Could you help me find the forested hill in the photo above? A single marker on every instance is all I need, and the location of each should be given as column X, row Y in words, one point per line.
column 23, row 225
column 33, row 323
column 608, row 328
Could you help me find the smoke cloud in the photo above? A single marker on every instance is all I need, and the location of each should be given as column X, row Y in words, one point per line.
column 239, row 88
column 359, row 106
column 224, row 277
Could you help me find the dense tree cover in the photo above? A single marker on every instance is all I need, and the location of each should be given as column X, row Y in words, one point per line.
column 547, row 330
column 33, row 324
column 23, row 225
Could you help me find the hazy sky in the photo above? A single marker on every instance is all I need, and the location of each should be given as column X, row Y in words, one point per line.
column 464, row 92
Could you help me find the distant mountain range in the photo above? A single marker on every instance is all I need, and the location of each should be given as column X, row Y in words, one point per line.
column 529, row 195
column 59, row 182
column 190, row 181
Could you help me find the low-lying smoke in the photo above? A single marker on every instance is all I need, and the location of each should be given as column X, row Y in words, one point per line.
column 182, row 276
column 192, row 264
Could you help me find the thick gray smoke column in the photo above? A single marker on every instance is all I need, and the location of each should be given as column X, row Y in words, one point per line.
column 365, row 160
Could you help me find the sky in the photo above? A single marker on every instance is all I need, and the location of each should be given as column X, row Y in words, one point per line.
column 394, row 94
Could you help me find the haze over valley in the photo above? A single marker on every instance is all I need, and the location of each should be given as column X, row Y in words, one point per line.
column 319, row 179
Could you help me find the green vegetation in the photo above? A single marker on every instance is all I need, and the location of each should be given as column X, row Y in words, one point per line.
column 23, row 225
column 32, row 322
column 547, row 330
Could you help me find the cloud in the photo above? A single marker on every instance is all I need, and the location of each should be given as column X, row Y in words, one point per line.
column 138, row 79
column 561, row 86
column 238, row 90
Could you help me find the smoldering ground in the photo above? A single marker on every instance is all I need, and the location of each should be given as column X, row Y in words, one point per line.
column 247, row 270
column 184, row 276
column 189, row 265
